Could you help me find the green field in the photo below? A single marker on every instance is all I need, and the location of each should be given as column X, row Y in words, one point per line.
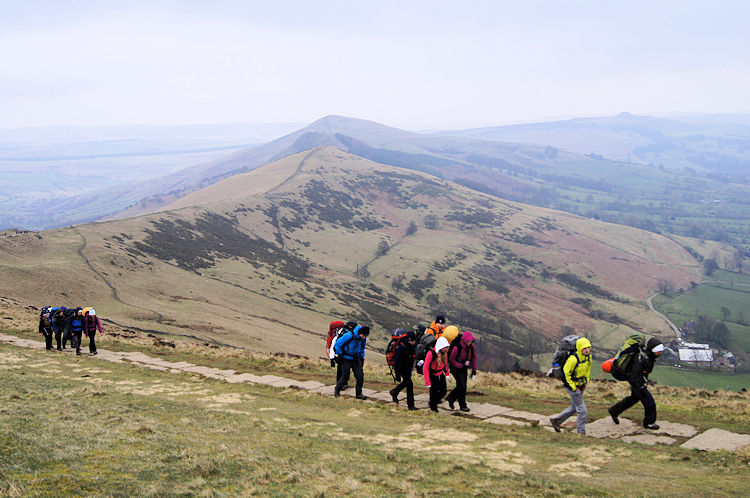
column 681, row 377
column 707, row 299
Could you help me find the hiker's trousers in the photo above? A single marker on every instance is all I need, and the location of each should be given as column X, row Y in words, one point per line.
column 348, row 366
column 407, row 383
column 577, row 405
column 638, row 393
column 92, row 342
column 458, row 393
column 437, row 390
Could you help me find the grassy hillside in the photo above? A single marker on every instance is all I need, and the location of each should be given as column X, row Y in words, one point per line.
column 266, row 259
column 78, row 425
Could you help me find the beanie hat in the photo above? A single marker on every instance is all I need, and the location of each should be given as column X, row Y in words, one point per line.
column 658, row 348
column 92, row 312
column 440, row 319
column 411, row 336
column 364, row 330
column 441, row 343
column 652, row 344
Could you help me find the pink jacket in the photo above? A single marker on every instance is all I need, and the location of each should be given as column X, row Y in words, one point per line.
column 437, row 368
column 460, row 355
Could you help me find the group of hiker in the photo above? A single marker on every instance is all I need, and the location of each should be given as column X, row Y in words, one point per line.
column 437, row 352
column 434, row 350
column 69, row 324
column 633, row 363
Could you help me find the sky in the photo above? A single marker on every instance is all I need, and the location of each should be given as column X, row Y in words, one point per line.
column 410, row 64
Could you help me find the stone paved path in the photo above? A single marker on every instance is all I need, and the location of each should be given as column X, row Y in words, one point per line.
column 669, row 433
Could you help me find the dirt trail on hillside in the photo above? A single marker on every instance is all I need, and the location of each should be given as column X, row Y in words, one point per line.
column 628, row 431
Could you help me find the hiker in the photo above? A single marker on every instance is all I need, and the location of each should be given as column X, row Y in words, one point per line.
column 403, row 363
column 436, row 328
column 45, row 328
column 74, row 329
column 461, row 356
column 58, row 320
column 350, row 348
column 641, row 366
column 435, row 371
column 576, row 375
column 90, row 325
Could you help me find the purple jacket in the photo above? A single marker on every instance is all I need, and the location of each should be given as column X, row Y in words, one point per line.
column 463, row 353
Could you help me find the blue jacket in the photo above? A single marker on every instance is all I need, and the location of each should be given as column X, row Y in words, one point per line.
column 350, row 345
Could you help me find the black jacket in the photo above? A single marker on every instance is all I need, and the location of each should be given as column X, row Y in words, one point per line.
column 403, row 359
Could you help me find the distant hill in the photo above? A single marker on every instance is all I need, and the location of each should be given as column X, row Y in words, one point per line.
column 718, row 144
column 265, row 259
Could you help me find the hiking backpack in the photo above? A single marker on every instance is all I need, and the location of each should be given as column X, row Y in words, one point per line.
column 623, row 360
column 426, row 342
column 397, row 337
column 343, row 330
column 455, row 344
column 566, row 348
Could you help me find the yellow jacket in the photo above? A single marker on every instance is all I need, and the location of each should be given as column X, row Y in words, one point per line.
column 577, row 368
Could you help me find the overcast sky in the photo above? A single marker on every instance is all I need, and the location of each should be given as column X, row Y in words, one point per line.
column 411, row 64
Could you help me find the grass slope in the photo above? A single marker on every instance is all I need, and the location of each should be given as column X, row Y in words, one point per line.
column 266, row 259
column 75, row 425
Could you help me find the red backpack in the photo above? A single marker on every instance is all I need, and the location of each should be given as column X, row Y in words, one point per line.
column 397, row 336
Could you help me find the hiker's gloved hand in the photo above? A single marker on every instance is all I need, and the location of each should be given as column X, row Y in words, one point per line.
column 473, row 374
column 466, row 363
column 333, row 362
column 429, row 387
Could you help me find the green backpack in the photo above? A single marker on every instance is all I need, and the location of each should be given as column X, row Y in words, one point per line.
column 624, row 358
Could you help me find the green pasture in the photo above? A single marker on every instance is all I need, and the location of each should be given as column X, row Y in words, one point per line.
column 708, row 299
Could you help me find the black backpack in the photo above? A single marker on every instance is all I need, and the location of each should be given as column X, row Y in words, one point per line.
column 426, row 343
column 566, row 348
column 623, row 361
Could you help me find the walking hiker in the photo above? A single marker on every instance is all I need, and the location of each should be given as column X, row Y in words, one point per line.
column 58, row 319
column 436, row 328
column 576, row 375
column 350, row 348
column 45, row 327
column 90, row 325
column 435, row 371
column 74, row 329
column 461, row 356
column 640, row 368
column 403, row 363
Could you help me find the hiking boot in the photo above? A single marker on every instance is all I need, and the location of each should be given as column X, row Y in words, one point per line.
column 614, row 417
column 652, row 427
column 555, row 425
column 345, row 387
column 465, row 409
column 361, row 396
column 78, row 353
column 394, row 396
column 451, row 403
column 412, row 408
column 336, row 393
column 434, row 409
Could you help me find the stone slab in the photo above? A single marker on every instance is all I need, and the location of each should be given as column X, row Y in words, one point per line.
column 674, row 429
column 486, row 410
column 717, row 439
column 532, row 418
column 283, row 382
column 308, row 385
column 649, row 439
column 325, row 390
column 246, row 377
column 606, row 428
column 269, row 379
column 422, row 397
column 500, row 420
column 386, row 396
